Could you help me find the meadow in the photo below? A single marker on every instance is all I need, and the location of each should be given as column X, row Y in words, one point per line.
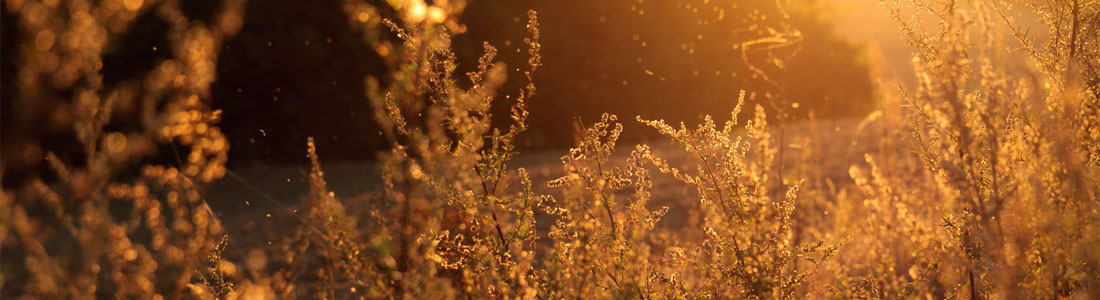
column 977, row 179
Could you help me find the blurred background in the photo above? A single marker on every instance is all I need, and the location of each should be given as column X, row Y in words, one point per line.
column 296, row 70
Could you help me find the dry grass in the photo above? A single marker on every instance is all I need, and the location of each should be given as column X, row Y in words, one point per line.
column 978, row 182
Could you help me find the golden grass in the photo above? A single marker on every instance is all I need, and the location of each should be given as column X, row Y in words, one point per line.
column 983, row 182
